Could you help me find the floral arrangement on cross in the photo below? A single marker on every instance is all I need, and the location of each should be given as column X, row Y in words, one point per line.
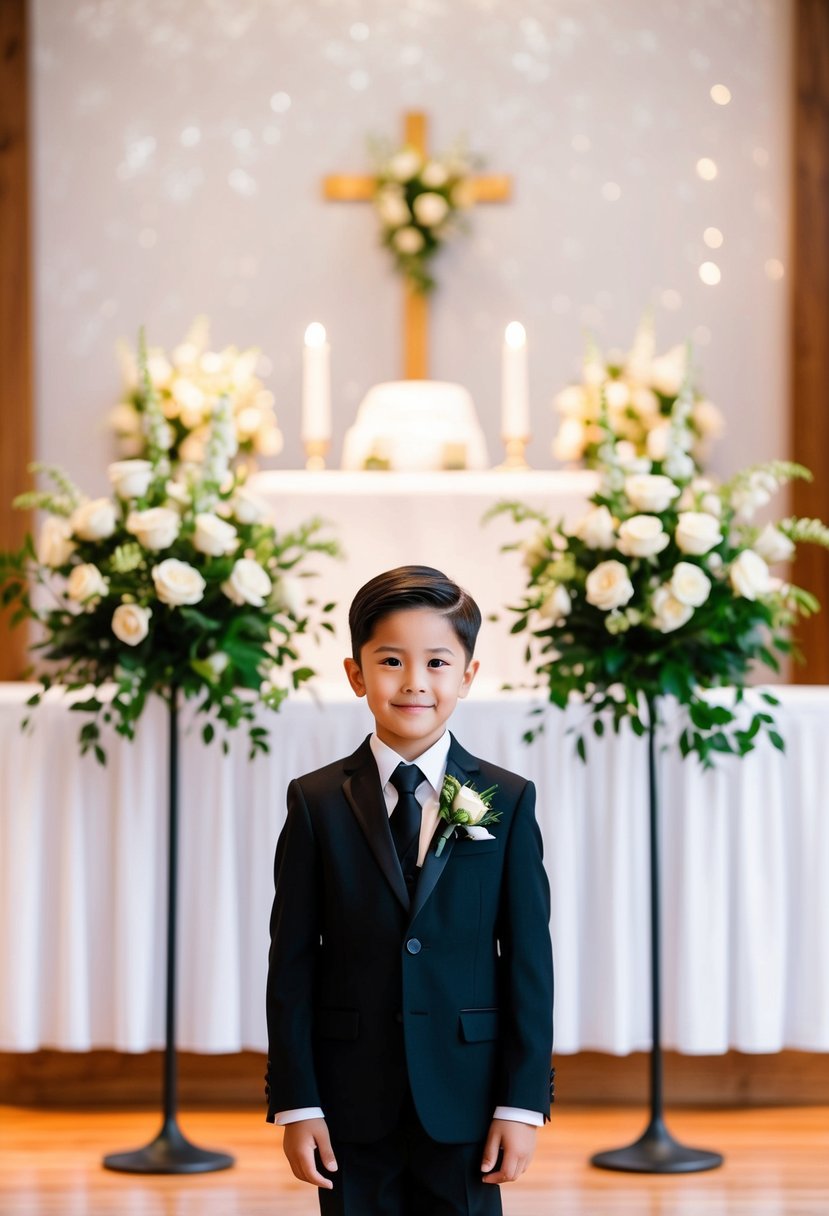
column 634, row 394
column 663, row 589
column 419, row 202
column 177, row 582
column 187, row 386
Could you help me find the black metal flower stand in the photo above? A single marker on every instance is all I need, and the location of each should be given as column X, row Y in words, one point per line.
column 170, row 1152
column 656, row 1151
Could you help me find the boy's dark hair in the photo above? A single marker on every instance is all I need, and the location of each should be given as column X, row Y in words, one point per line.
column 413, row 587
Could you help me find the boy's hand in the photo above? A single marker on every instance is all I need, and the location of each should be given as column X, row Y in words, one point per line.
column 298, row 1144
column 517, row 1140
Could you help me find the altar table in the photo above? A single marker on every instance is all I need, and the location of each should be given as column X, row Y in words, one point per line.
column 82, row 878
column 388, row 519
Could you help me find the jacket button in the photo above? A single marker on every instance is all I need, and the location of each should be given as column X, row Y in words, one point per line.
column 413, row 946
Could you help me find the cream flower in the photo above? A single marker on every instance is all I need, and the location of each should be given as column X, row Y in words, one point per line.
column 248, row 583
column 556, row 603
column 749, row 575
column 571, row 440
column 434, row 175
column 651, row 491
column 408, row 240
column 697, row 532
column 658, row 441
column 430, row 209
column 669, row 613
column 95, row 520
column 86, row 584
column 247, row 507
column 178, row 582
column 470, row 804
column 214, row 536
column 571, row 401
column 130, row 478
column 156, row 528
column 708, row 420
column 668, row 371
column 773, row 545
column 404, row 164
column 54, row 544
column 393, row 209
column 609, row 586
column 642, row 536
column 596, row 529
column 689, row 584
column 290, row 594
column 131, row 623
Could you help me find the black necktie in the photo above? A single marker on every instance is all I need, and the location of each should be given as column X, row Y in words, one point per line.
column 405, row 819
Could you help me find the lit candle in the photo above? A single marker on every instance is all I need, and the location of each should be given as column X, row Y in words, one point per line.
column 515, row 403
column 316, row 385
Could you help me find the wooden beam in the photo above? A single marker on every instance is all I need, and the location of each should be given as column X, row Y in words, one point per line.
column 16, row 425
column 810, row 317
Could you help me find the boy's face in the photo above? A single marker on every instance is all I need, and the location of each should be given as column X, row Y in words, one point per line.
column 412, row 671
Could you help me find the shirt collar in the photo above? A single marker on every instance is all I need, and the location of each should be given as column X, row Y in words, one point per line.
column 432, row 763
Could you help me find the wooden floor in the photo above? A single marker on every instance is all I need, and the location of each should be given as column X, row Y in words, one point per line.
column 777, row 1164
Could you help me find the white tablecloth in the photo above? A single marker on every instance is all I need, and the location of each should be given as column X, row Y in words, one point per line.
column 82, row 879
column 432, row 519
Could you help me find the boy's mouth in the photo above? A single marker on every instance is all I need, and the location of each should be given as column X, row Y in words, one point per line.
column 411, row 705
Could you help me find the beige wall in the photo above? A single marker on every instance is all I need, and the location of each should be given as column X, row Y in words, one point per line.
column 172, row 178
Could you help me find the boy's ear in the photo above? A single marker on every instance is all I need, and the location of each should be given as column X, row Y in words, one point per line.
column 468, row 677
column 355, row 676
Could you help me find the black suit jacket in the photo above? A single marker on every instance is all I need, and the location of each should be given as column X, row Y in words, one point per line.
column 451, row 995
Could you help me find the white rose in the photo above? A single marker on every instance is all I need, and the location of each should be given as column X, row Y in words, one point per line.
column 756, row 494
column 596, row 529
column 642, row 536
column 571, row 440
column 556, row 603
column 658, row 441
column 571, row 401
column 697, row 532
column 130, row 478
column 54, row 544
column 404, row 165
column 131, row 623
column 668, row 371
column 430, row 209
column 749, row 575
column 86, row 584
column 534, row 550
column 408, row 240
column 178, row 493
column 651, row 491
column 291, row 595
column 609, row 586
column 178, row 582
column 247, row 507
column 269, row 441
column 471, row 804
column 192, row 448
column 434, row 175
column 155, row 528
column 679, row 465
column 214, row 536
column 95, row 520
column 630, row 460
column 669, row 613
column 773, row 546
column 689, row 584
column 393, row 209
column 712, row 503
column 248, row 583
column 646, row 403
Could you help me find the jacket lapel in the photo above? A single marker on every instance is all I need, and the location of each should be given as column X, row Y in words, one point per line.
column 463, row 766
column 365, row 797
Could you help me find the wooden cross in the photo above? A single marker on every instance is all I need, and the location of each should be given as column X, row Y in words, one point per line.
column 349, row 188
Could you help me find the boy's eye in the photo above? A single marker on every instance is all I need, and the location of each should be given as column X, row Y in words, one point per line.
column 391, row 661
column 437, row 663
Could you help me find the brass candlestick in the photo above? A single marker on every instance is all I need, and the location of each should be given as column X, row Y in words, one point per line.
column 315, row 452
column 515, row 449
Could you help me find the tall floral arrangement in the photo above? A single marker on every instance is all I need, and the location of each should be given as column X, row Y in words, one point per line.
column 637, row 392
column 175, row 581
column 664, row 588
column 419, row 201
column 187, row 385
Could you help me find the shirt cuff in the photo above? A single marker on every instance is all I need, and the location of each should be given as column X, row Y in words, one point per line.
column 282, row 1117
column 515, row 1114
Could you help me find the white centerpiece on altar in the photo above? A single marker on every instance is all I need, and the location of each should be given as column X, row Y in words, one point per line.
column 414, row 426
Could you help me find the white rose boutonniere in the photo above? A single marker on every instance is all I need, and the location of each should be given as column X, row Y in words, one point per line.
column 461, row 806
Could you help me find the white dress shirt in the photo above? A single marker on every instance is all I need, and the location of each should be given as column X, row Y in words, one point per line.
column 432, row 763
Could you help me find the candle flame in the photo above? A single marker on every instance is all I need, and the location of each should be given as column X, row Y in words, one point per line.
column 315, row 334
column 515, row 335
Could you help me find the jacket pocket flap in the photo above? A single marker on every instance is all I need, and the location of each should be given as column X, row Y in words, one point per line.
column 479, row 1025
column 338, row 1024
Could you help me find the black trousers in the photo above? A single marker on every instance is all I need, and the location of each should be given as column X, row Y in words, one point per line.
column 406, row 1173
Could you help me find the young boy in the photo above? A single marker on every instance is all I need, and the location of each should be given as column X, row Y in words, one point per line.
column 410, row 986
